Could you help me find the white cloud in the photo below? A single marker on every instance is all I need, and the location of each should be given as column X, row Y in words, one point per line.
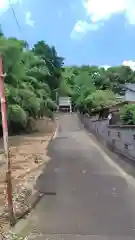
column 28, row 19
column 5, row 4
column 81, row 28
column 102, row 10
column 129, row 63
column 105, row 66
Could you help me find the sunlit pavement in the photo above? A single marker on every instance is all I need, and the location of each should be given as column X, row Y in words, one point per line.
column 84, row 196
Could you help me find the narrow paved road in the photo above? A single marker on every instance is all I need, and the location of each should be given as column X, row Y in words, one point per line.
column 86, row 197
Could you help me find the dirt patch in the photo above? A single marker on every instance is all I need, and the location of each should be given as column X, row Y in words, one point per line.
column 27, row 153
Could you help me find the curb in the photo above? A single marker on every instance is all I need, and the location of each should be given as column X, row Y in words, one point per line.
column 54, row 135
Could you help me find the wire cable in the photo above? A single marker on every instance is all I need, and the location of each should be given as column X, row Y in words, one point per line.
column 14, row 14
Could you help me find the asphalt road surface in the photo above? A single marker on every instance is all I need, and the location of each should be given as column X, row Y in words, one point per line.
column 85, row 195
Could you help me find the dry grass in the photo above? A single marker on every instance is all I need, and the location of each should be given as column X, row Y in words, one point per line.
column 27, row 152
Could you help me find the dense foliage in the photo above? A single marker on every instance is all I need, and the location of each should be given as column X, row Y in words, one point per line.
column 36, row 77
column 95, row 87
column 32, row 78
column 128, row 114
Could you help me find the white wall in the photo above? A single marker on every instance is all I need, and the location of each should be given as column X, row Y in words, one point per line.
column 64, row 101
column 129, row 95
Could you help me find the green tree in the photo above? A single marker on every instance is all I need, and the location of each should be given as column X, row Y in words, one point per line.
column 27, row 86
column 127, row 114
column 100, row 99
column 85, row 80
column 53, row 62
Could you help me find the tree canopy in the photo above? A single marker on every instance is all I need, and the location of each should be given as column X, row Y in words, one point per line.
column 35, row 76
column 32, row 78
column 95, row 87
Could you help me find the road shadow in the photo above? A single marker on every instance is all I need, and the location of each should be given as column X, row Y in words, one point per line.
column 46, row 182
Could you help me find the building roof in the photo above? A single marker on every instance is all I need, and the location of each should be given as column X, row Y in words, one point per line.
column 117, row 103
column 130, row 86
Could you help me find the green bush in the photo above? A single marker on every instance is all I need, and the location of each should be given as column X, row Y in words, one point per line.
column 100, row 99
column 17, row 115
column 127, row 114
column 32, row 76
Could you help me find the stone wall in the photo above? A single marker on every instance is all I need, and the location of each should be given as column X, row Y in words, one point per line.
column 120, row 137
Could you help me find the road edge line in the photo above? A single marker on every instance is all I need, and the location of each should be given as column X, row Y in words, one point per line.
column 130, row 179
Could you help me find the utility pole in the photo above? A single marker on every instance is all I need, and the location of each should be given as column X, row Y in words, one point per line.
column 57, row 100
column 6, row 147
column 56, row 97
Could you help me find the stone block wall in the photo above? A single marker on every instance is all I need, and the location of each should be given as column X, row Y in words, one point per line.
column 120, row 137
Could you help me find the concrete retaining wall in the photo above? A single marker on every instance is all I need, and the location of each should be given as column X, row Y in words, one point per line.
column 120, row 137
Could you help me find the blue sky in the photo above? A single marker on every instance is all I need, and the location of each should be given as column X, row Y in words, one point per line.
column 95, row 32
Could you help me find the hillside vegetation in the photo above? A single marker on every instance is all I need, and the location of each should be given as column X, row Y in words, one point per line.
column 93, row 87
column 32, row 78
column 35, row 77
